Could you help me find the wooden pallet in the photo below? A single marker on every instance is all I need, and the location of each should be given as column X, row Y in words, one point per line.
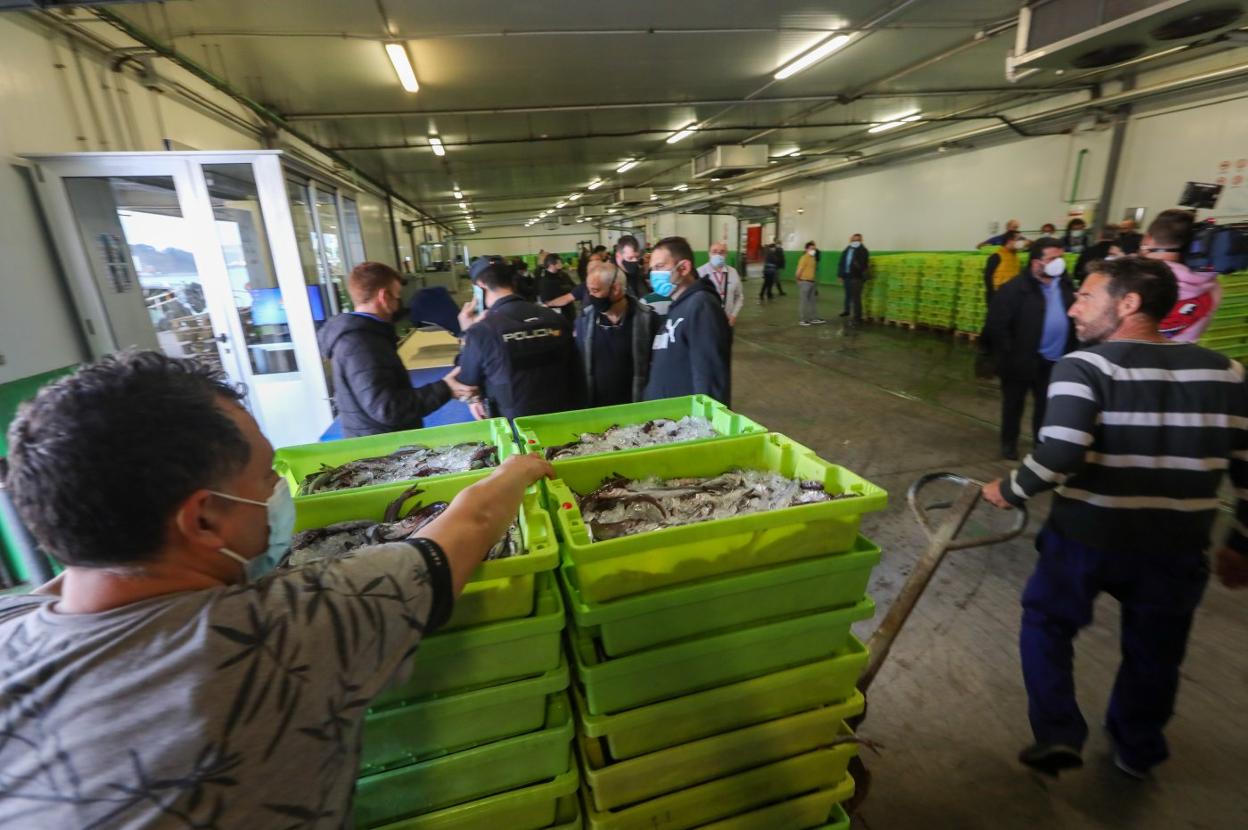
column 969, row 336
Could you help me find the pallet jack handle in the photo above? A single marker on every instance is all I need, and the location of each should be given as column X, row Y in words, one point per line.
column 941, row 539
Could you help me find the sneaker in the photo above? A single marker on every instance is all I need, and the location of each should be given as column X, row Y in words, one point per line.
column 1051, row 759
column 806, row 323
column 818, row 321
column 1128, row 770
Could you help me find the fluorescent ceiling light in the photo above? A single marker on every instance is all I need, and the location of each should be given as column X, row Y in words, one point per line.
column 458, row 194
column 812, row 57
column 463, row 206
column 436, row 144
column 402, row 65
column 795, row 154
column 654, row 197
column 594, row 185
column 683, row 132
column 560, row 204
column 575, row 196
column 896, row 122
column 682, row 187
column 626, row 166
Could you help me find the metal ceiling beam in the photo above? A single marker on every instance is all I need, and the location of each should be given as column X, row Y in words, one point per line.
column 818, row 125
column 505, row 33
column 713, row 102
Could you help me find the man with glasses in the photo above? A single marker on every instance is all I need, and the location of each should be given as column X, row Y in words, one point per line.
column 614, row 333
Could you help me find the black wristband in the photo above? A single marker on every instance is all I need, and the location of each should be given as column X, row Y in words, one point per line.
column 439, row 569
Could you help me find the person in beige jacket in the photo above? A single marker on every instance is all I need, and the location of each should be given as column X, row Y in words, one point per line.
column 807, row 289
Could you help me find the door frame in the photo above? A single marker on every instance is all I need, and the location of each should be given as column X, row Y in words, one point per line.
column 186, row 171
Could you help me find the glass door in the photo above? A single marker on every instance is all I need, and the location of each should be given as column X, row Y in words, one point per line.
column 194, row 254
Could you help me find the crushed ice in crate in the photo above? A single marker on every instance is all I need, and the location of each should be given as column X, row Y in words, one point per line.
column 632, row 436
column 404, row 464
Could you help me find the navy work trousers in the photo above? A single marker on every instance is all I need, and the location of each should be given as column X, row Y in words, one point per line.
column 1158, row 593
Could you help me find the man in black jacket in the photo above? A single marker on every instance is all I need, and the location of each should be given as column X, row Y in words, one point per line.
column 614, row 334
column 853, row 270
column 773, row 267
column 372, row 389
column 691, row 346
column 1106, row 246
column 1028, row 331
column 519, row 354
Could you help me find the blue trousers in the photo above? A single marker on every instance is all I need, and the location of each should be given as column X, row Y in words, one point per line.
column 1158, row 594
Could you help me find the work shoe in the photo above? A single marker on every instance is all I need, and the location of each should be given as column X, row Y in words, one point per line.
column 1051, row 759
column 844, row 314
column 1128, row 770
column 818, row 321
column 1009, row 452
column 806, row 323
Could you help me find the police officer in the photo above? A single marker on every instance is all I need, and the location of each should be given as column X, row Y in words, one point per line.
column 519, row 354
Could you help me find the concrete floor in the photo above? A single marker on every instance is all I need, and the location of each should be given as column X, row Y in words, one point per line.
column 949, row 705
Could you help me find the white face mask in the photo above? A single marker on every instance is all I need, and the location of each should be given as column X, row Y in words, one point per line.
column 1020, row 245
column 1056, row 267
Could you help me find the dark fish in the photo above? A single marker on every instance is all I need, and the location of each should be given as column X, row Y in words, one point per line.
column 404, row 464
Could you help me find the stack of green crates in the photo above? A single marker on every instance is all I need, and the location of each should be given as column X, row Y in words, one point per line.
column 714, row 666
column 972, row 307
column 480, row 734
column 1228, row 331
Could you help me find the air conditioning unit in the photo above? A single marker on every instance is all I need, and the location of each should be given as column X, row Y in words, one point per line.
column 727, row 160
column 633, row 195
column 1079, row 34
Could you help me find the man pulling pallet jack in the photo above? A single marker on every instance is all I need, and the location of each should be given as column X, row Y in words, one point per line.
column 1137, row 434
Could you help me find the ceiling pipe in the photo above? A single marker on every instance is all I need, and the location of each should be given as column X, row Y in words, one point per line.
column 715, row 102
column 764, row 181
column 268, row 115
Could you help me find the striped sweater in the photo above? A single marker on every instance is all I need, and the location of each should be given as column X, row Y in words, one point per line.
column 1135, row 440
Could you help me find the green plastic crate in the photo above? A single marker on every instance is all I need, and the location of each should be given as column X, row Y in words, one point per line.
column 821, row 809
column 486, row 654
column 297, row 462
column 499, row 590
column 453, row 722
column 538, row 432
column 722, row 798
column 646, row 561
column 699, row 608
column 615, row 784
column 552, row 804
column 620, row 683
column 468, row 775
column 732, row 706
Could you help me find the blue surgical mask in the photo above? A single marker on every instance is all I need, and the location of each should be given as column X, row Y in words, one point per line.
column 478, row 296
column 280, row 508
column 717, row 260
column 661, row 283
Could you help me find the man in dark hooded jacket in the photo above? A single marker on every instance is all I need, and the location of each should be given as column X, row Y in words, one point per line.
column 690, row 351
column 371, row 387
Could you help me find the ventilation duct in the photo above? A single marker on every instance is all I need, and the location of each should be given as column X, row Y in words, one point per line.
column 630, row 196
column 1078, row 34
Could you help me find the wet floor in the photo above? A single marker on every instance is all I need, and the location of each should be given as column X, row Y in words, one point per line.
column 948, row 705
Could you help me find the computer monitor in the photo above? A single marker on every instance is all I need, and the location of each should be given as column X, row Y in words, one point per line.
column 316, row 300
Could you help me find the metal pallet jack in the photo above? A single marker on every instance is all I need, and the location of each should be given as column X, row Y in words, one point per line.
column 941, row 540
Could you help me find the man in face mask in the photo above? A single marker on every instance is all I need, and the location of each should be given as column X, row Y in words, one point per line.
column 147, row 479
column 614, row 336
column 372, row 389
column 724, row 279
column 853, row 269
column 691, row 341
column 1027, row 332
column 628, row 260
